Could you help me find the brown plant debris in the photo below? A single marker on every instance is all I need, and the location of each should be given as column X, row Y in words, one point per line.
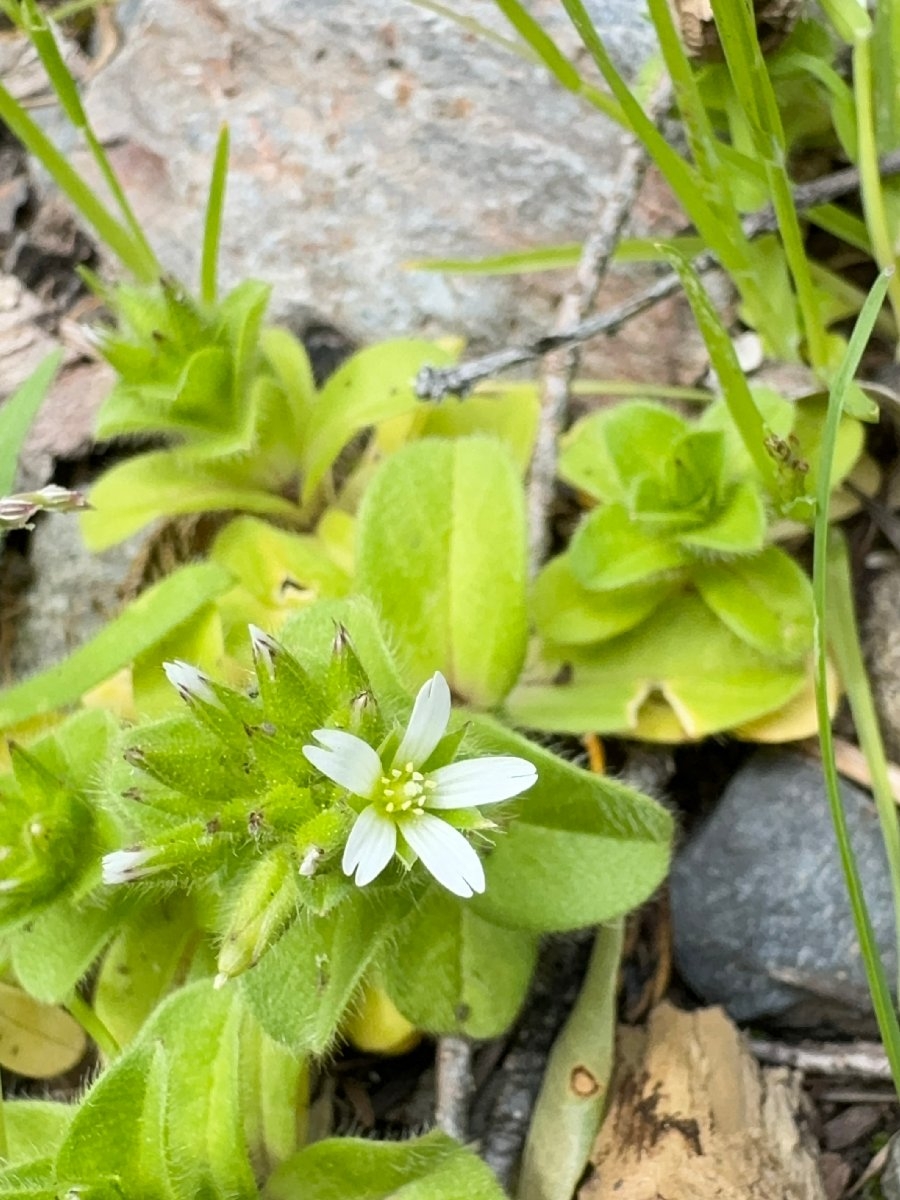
column 693, row 1117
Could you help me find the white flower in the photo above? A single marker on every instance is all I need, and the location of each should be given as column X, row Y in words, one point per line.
column 404, row 799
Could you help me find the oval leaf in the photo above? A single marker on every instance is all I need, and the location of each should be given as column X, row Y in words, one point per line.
column 442, row 554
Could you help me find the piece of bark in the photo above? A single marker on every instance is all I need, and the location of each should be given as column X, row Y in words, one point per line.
column 693, row 1117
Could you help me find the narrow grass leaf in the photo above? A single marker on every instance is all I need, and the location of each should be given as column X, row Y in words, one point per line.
column 17, row 414
column 141, row 625
column 212, row 226
column 882, row 1000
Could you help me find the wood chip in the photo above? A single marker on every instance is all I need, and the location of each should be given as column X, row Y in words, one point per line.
column 693, row 1117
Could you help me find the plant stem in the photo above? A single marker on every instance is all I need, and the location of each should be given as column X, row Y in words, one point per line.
column 881, row 996
column 79, row 1008
column 844, row 640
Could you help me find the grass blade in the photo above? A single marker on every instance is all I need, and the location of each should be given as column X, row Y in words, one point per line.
column 140, row 626
column 843, row 637
column 882, row 1000
column 66, row 89
column 17, row 414
column 212, row 226
column 116, row 236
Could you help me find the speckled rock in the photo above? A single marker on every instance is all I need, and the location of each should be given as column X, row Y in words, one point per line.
column 72, row 595
column 366, row 135
column 761, row 918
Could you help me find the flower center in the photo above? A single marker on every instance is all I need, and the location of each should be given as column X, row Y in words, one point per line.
column 403, row 791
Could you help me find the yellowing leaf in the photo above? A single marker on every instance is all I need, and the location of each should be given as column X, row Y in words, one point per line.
column 37, row 1040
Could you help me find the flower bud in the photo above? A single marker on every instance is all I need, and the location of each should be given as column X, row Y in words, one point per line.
column 266, row 902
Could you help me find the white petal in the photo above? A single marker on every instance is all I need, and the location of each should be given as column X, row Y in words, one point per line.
column 346, row 760
column 189, row 682
column 123, row 866
column 445, row 853
column 428, row 722
column 481, row 781
column 370, row 846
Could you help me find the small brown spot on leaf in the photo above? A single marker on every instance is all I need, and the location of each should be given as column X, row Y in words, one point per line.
column 583, row 1083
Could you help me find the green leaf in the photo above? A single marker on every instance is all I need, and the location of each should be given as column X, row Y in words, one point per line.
column 37, row 1040
column 146, row 958
column 611, row 550
column 448, row 971
column 441, row 552
column 683, row 657
column 163, row 483
column 300, row 990
column 287, row 357
column 433, row 1167
column 566, row 612
column 578, row 849
column 276, row 572
column 603, row 452
column 541, row 258
column 17, row 413
column 738, row 528
column 52, row 954
column 376, row 383
column 117, row 1133
column 34, row 1127
column 200, row 1030
column 512, row 419
column 765, row 599
column 141, row 625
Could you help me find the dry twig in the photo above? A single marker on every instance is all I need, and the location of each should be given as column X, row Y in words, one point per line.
column 856, row 1060
column 560, row 367
column 436, row 384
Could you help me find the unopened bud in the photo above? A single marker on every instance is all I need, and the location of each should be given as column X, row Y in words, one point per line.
column 266, row 903
column 17, row 510
column 265, row 651
column 190, row 683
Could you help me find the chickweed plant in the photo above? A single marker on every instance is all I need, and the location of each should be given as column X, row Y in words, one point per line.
column 283, row 791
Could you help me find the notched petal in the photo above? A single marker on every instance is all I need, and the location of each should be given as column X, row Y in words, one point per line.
column 428, row 722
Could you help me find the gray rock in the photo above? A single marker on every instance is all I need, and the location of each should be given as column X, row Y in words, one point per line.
column 363, row 135
column 72, row 595
column 761, row 919
column 881, row 640
column 890, row 1175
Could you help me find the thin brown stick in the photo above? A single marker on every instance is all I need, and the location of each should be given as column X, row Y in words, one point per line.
column 437, row 383
column 856, row 1060
column 560, row 367
column 852, row 765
